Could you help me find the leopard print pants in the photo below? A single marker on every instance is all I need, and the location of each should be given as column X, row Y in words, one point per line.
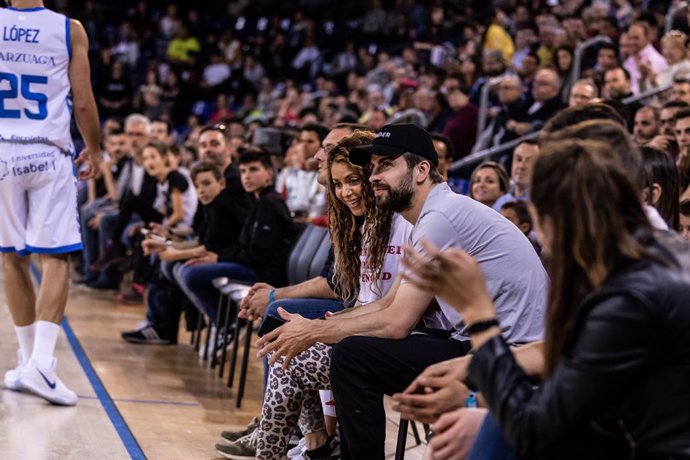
column 292, row 399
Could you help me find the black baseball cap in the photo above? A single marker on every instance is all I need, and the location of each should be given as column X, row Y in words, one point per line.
column 394, row 140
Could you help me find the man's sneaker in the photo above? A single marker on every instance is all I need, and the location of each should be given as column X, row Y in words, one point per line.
column 46, row 384
column 232, row 436
column 242, row 449
column 146, row 334
column 329, row 451
column 12, row 376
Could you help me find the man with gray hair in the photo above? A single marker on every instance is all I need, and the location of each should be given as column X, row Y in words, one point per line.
column 511, row 98
column 544, row 103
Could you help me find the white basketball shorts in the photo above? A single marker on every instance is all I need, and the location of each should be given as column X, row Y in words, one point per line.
column 38, row 200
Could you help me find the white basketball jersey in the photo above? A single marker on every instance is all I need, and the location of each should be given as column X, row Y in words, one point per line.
column 35, row 104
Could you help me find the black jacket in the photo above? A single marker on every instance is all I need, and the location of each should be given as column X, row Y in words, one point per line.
column 265, row 239
column 220, row 222
column 621, row 389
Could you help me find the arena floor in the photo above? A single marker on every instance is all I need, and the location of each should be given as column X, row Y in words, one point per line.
column 136, row 401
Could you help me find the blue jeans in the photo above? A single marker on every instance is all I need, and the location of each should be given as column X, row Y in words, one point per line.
column 162, row 311
column 490, row 443
column 308, row 308
column 196, row 281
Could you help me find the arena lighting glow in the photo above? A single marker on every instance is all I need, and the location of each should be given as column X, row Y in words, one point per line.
column 261, row 24
column 241, row 21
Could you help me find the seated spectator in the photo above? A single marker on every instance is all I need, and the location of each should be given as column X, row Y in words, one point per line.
column 115, row 92
column 497, row 38
column 176, row 198
column 461, row 127
column 217, row 227
column 137, row 191
column 173, row 208
column 674, row 51
column 104, row 195
column 639, row 280
column 685, row 220
column 263, row 246
column 445, row 151
column 216, row 72
column 646, row 126
column 544, row 104
column 183, row 48
column 681, row 89
column 682, row 132
column 489, row 182
column 607, row 58
column 644, row 59
column 666, row 139
column 375, row 352
column 660, row 187
column 304, row 196
column 365, row 269
column 511, row 101
column 518, row 213
column 564, row 58
column 162, row 132
column 520, row 172
column 582, row 92
column 617, row 86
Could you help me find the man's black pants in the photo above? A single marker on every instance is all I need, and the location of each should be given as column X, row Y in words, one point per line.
column 363, row 369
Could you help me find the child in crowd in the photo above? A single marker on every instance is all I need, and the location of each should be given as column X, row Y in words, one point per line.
column 217, row 227
column 263, row 247
column 518, row 213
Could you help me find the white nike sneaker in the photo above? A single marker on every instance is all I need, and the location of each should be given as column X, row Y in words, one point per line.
column 46, row 384
column 12, row 376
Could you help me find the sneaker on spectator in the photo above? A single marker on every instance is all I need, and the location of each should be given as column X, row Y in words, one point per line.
column 133, row 296
column 46, row 384
column 242, row 449
column 297, row 452
column 12, row 376
column 232, row 436
column 329, row 451
column 112, row 254
column 148, row 335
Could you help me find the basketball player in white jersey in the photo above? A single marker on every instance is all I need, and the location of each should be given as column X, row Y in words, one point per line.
column 43, row 58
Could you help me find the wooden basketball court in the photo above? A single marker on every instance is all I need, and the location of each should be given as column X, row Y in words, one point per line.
column 136, row 401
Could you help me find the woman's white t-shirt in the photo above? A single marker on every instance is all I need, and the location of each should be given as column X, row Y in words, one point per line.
column 371, row 290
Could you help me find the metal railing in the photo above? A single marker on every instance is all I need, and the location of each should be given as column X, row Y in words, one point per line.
column 486, row 153
column 507, row 146
column 647, row 94
column 484, row 102
column 668, row 23
column 577, row 59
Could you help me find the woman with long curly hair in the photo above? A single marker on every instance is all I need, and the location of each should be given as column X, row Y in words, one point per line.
column 367, row 245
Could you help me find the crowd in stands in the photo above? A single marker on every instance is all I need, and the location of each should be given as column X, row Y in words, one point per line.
column 230, row 126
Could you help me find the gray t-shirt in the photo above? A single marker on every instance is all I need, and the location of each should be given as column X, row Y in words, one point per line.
column 515, row 277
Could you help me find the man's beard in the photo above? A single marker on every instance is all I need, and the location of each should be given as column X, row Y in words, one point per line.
column 399, row 199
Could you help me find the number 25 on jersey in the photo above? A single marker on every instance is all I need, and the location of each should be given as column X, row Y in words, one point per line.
column 22, row 84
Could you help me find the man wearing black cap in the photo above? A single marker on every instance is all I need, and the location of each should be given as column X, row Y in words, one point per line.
column 380, row 348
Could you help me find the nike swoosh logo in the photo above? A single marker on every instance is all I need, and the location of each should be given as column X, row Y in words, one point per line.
column 48, row 382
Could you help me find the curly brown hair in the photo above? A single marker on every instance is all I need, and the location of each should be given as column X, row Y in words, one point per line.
column 347, row 235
